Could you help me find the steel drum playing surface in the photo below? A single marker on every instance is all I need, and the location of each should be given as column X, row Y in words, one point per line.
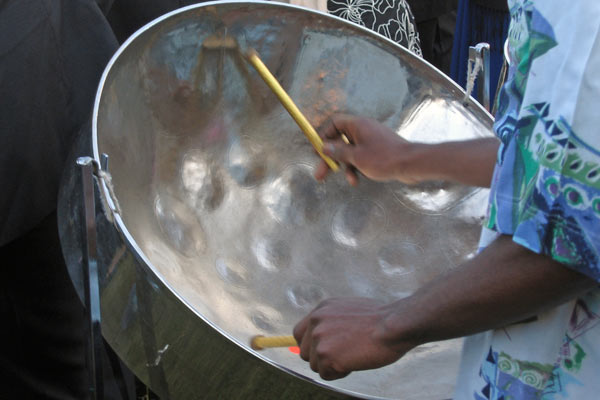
column 214, row 178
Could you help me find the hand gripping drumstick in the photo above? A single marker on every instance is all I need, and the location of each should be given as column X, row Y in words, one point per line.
column 263, row 342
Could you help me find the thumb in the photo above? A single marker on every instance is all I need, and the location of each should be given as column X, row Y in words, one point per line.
column 339, row 151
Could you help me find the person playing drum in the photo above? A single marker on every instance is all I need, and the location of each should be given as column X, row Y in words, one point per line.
column 529, row 302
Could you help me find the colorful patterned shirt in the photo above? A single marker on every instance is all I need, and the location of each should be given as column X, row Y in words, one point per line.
column 546, row 194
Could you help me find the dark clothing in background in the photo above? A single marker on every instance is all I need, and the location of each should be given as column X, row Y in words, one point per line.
column 127, row 16
column 425, row 27
column 424, row 10
column 498, row 5
column 53, row 53
column 52, row 56
column 42, row 335
column 435, row 21
column 393, row 20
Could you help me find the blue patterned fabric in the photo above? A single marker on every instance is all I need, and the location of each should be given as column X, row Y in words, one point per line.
column 546, row 190
column 546, row 194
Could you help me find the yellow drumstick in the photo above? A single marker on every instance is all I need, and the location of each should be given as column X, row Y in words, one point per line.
column 263, row 342
column 289, row 105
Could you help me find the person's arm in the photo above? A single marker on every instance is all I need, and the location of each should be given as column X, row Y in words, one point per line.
column 381, row 154
column 504, row 284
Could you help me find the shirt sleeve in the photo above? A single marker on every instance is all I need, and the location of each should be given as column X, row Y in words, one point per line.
column 546, row 189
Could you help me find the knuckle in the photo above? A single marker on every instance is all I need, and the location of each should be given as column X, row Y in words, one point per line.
column 323, row 353
column 297, row 333
column 314, row 320
column 330, row 371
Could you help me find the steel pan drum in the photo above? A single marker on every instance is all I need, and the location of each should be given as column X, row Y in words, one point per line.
column 224, row 234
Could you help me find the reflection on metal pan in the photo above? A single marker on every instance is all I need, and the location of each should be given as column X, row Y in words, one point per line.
column 227, row 233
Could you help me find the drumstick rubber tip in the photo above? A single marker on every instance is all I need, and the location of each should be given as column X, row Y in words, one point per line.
column 254, row 342
column 260, row 342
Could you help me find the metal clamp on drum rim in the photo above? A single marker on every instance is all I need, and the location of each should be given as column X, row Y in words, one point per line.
column 478, row 68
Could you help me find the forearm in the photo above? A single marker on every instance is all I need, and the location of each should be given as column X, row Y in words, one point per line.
column 504, row 284
column 469, row 162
